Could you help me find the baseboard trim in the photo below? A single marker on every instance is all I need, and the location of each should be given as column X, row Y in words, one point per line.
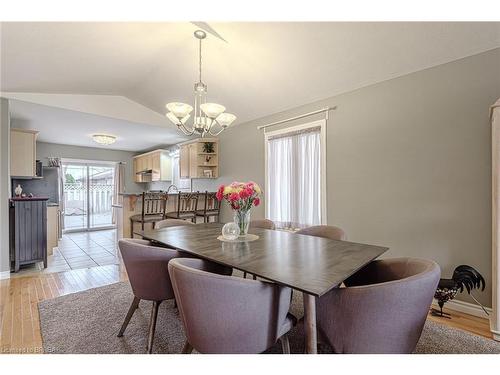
column 465, row 307
column 4, row 275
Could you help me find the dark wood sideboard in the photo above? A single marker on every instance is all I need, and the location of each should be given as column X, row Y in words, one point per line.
column 28, row 231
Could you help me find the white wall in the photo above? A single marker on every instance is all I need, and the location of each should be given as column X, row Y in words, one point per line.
column 4, row 185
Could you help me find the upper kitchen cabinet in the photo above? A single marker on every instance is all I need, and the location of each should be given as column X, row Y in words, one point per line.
column 23, row 153
column 153, row 166
column 199, row 158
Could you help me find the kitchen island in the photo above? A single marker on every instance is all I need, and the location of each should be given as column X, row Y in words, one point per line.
column 131, row 204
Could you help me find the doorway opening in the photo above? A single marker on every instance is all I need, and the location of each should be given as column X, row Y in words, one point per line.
column 88, row 192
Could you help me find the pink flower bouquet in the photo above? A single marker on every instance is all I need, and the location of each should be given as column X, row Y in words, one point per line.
column 241, row 197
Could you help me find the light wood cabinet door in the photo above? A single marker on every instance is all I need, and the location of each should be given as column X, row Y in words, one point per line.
column 148, row 162
column 165, row 167
column 184, row 161
column 156, row 166
column 137, row 177
column 22, row 153
column 193, row 160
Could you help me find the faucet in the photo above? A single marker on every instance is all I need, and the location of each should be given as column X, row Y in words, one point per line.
column 170, row 187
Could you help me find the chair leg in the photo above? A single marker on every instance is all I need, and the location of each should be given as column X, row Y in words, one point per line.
column 244, row 275
column 187, row 349
column 131, row 229
column 254, row 277
column 285, row 344
column 152, row 325
column 130, row 313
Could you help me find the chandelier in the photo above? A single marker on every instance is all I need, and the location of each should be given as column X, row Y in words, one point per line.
column 209, row 118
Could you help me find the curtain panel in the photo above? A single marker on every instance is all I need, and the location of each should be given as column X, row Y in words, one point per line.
column 294, row 178
column 119, row 184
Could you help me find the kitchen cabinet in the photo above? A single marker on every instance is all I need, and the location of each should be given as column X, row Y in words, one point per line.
column 28, row 231
column 153, row 166
column 184, row 170
column 193, row 163
column 199, row 161
column 23, row 153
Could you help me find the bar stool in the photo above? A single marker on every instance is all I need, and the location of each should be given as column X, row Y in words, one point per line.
column 211, row 208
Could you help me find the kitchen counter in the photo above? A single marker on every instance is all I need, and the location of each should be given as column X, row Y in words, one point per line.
column 14, row 199
column 131, row 204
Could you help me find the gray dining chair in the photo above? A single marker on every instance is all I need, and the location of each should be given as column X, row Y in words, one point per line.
column 264, row 224
column 325, row 231
column 382, row 309
column 147, row 272
column 224, row 314
column 172, row 223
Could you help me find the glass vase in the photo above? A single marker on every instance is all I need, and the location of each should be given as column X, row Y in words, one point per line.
column 242, row 219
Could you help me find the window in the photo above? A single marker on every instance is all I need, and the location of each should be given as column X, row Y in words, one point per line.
column 295, row 176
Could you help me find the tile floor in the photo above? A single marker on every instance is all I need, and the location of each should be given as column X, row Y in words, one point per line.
column 80, row 250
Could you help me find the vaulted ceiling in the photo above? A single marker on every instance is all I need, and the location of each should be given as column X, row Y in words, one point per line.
column 263, row 68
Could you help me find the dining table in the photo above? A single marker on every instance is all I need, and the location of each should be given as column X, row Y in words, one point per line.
column 309, row 264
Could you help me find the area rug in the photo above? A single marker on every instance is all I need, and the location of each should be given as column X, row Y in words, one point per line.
column 88, row 321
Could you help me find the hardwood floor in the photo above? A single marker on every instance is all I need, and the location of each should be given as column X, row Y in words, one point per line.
column 19, row 296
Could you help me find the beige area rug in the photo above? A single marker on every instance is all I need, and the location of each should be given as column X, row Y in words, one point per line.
column 88, row 321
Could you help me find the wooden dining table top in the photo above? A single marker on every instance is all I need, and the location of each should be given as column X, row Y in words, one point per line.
column 313, row 265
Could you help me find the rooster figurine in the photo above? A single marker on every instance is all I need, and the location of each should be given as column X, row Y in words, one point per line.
column 463, row 277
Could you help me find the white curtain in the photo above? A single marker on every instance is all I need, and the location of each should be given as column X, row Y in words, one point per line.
column 294, row 178
column 118, row 187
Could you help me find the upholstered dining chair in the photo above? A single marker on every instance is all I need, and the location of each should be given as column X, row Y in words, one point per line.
column 224, row 314
column 147, row 271
column 172, row 223
column 382, row 309
column 264, row 224
column 326, row 231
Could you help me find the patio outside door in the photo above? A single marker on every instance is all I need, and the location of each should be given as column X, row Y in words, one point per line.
column 88, row 191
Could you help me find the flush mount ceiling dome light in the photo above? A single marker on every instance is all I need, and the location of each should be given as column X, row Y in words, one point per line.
column 104, row 139
column 207, row 116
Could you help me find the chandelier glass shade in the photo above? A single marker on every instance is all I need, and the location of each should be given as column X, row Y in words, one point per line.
column 208, row 118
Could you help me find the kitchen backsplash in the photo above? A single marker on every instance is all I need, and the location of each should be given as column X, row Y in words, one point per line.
column 187, row 185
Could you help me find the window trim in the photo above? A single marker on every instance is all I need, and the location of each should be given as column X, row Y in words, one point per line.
column 322, row 125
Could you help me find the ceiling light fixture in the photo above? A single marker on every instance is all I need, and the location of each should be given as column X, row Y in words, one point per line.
column 104, row 139
column 207, row 116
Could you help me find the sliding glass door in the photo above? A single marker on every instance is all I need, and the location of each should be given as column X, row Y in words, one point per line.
column 88, row 191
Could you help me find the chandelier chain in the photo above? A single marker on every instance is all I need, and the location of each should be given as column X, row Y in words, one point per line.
column 200, row 61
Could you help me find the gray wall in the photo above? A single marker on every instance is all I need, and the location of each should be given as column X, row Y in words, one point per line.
column 45, row 150
column 4, row 184
column 408, row 162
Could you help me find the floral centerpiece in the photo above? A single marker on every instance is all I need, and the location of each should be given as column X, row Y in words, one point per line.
column 241, row 197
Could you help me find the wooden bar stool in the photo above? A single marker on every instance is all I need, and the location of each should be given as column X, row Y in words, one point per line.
column 211, row 208
column 153, row 210
column 186, row 207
